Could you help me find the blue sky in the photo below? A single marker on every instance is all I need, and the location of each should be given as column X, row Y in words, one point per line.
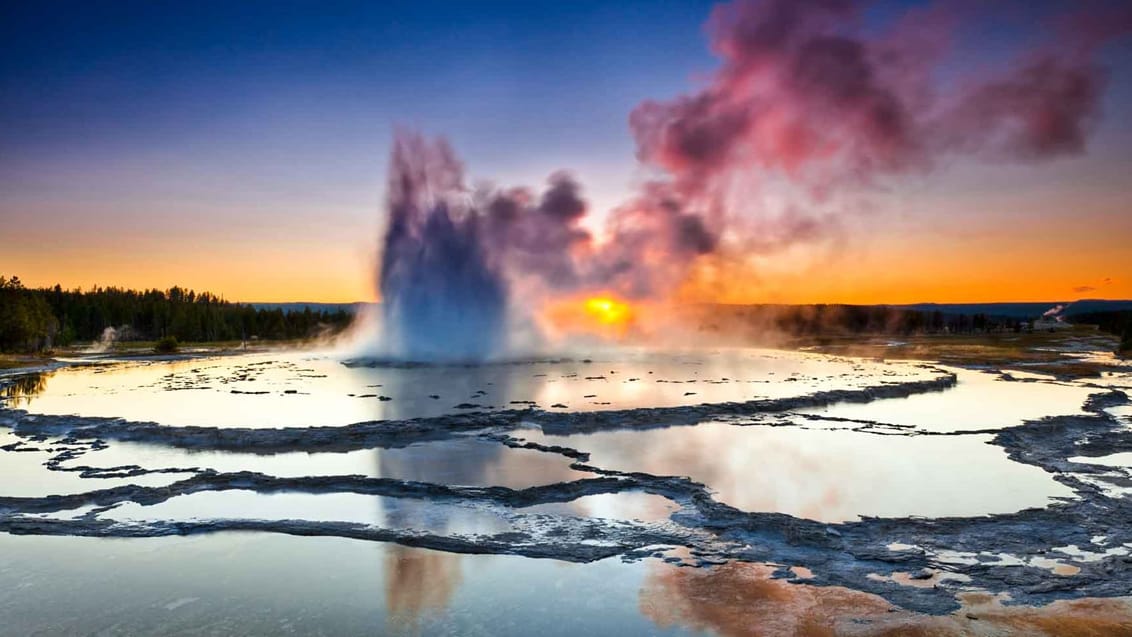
column 217, row 121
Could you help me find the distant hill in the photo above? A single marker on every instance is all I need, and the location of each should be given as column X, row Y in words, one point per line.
column 299, row 306
column 1090, row 306
column 1020, row 310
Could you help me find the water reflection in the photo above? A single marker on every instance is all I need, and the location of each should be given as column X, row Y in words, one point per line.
column 269, row 584
column 741, row 600
column 265, row 584
column 474, row 462
column 297, row 389
column 458, row 462
column 418, row 583
column 19, row 390
column 830, row 476
column 979, row 401
column 462, row 461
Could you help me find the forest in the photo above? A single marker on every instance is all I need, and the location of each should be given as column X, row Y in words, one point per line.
column 820, row 321
column 836, row 319
column 34, row 319
column 1118, row 323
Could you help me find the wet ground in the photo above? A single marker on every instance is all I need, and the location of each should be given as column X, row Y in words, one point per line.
column 632, row 492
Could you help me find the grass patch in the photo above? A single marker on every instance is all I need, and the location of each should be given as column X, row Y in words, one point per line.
column 1039, row 352
column 20, row 361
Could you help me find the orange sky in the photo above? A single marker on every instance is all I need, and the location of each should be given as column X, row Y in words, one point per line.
column 1004, row 262
column 993, row 234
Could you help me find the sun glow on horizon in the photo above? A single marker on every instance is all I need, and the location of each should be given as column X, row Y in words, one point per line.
column 608, row 310
column 603, row 315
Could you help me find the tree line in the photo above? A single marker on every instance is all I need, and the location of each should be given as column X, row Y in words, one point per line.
column 826, row 320
column 1117, row 323
column 810, row 321
column 33, row 319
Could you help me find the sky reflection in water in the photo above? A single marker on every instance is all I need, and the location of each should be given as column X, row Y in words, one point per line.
column 295, row 389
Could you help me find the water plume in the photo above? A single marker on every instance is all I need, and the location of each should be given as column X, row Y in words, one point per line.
column 442, row 297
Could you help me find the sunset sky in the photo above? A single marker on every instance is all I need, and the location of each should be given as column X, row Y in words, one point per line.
column 242, row 147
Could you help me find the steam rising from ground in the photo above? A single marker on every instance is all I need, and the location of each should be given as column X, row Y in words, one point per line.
column 804, row 103
column 106, row 341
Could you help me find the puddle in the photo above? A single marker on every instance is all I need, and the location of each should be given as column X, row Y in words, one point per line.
column 464, row 461
column 389, row 513
column 979, row 401
column 1122, row 460
column 641, row 507
column 23, row 474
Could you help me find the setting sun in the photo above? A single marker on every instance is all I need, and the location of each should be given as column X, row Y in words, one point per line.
column 608, row 311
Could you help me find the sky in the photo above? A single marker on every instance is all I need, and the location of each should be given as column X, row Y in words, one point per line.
column 242, row 148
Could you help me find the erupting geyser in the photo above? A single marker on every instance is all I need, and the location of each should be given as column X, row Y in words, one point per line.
column 806, row 106
column 466, row 275
column 441, row 296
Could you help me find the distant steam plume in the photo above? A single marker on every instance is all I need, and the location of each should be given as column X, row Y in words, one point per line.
column 109, row 336
column 1056, row 310
column 805, row 102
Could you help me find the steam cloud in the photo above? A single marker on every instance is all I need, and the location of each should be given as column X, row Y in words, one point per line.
column 109, row 336
column 1055, row 311
column 802, row 96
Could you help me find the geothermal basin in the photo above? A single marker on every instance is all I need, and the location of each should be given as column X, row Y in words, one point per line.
column 629, row 490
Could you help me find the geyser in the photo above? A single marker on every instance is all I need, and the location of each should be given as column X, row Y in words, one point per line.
column 441, row 296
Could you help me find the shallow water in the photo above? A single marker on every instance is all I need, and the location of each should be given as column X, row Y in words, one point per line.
column 23, row 474
column 546, row 459
column 392, row 513
column 467, row 461
column 266, row 584
column 829, row 476
column 297, row 389
column 243, row 584
column 980, row 400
